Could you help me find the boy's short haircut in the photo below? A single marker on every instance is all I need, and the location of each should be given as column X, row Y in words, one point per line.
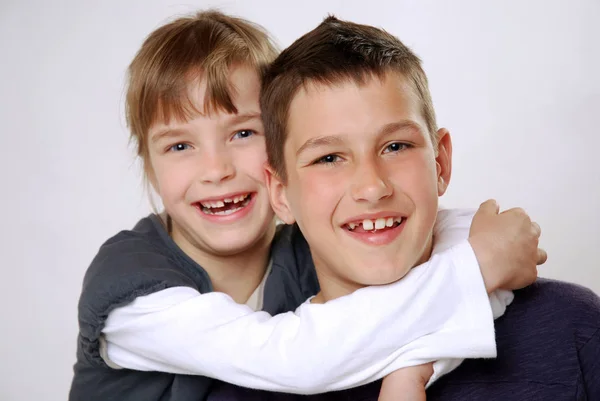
column 180, row 54
column 334, row 52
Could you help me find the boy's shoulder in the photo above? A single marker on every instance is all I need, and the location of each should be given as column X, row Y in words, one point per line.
column 558, row 304
column 547, row 342
column 559, row 297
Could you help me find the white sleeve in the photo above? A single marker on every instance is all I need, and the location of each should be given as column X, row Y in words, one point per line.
column 451, row 226
column 347, row 342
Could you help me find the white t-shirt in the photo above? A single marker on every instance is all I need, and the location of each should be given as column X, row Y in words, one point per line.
column 439, row 311
column 255, row 302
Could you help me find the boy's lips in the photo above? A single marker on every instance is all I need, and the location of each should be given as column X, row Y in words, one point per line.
column 373, row 221
column 375, row 228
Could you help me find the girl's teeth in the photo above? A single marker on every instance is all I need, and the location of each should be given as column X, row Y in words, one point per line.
column 389, row 222
column 243, row 200
column 222, row 203
column 379, row 224
column 352, row 226
column 367, row 225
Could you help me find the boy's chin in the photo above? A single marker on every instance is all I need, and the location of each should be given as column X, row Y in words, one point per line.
column 380, row 275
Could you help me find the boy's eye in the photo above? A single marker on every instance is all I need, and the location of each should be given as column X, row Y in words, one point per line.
column 178, row 147
column 328, row 159
column 245, row 133
column 396, row 147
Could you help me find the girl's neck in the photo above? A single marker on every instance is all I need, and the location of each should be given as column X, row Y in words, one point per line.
column 236, row 275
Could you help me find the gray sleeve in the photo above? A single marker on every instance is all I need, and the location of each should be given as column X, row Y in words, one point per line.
column 116, row 277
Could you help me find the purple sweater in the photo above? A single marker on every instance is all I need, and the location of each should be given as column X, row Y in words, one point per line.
column 548, row 349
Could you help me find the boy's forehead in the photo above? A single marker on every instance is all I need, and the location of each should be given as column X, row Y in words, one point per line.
column 328, row 106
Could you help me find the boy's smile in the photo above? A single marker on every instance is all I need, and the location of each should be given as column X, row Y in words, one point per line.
column 376, row 228
column 363, row 180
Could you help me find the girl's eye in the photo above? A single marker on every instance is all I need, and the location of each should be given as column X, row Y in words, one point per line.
column 396, row 147
column 179, row 147
column 245, row 133
column 328, row 159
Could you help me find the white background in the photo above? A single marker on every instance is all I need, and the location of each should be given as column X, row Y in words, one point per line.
column 516, row 82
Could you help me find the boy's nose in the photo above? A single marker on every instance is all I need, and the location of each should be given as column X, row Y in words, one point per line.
column 370, row 183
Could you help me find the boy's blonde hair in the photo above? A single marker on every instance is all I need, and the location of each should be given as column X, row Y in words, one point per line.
column 181, row 53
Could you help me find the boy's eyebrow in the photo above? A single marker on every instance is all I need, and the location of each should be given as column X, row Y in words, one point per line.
column 320, row 141
column 336, row 139
column 398, row 126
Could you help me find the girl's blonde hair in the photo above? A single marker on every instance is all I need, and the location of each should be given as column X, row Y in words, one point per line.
column 181, row 53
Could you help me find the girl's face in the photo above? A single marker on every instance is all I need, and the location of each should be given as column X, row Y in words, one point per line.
column 209, row 172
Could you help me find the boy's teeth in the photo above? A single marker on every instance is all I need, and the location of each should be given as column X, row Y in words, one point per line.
column 377, row 224
column 227, row 200
column 219, row 204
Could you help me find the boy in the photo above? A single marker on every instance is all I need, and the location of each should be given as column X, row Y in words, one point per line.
column 169, row 295
column 350, row 124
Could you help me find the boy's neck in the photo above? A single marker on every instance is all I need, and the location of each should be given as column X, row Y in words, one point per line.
column 335, row 287
column 236, row 275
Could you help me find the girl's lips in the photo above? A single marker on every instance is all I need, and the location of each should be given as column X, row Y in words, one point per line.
column 232, row 213
column 232, row 197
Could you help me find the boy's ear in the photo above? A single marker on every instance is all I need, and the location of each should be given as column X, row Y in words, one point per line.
column 443, row 160
column 278, row 196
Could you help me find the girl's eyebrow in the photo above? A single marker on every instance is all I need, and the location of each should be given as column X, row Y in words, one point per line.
column 166, row 133
column 243, row 117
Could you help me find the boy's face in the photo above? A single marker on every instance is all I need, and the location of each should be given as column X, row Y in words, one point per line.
column 209, row 172
column 363, row 180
